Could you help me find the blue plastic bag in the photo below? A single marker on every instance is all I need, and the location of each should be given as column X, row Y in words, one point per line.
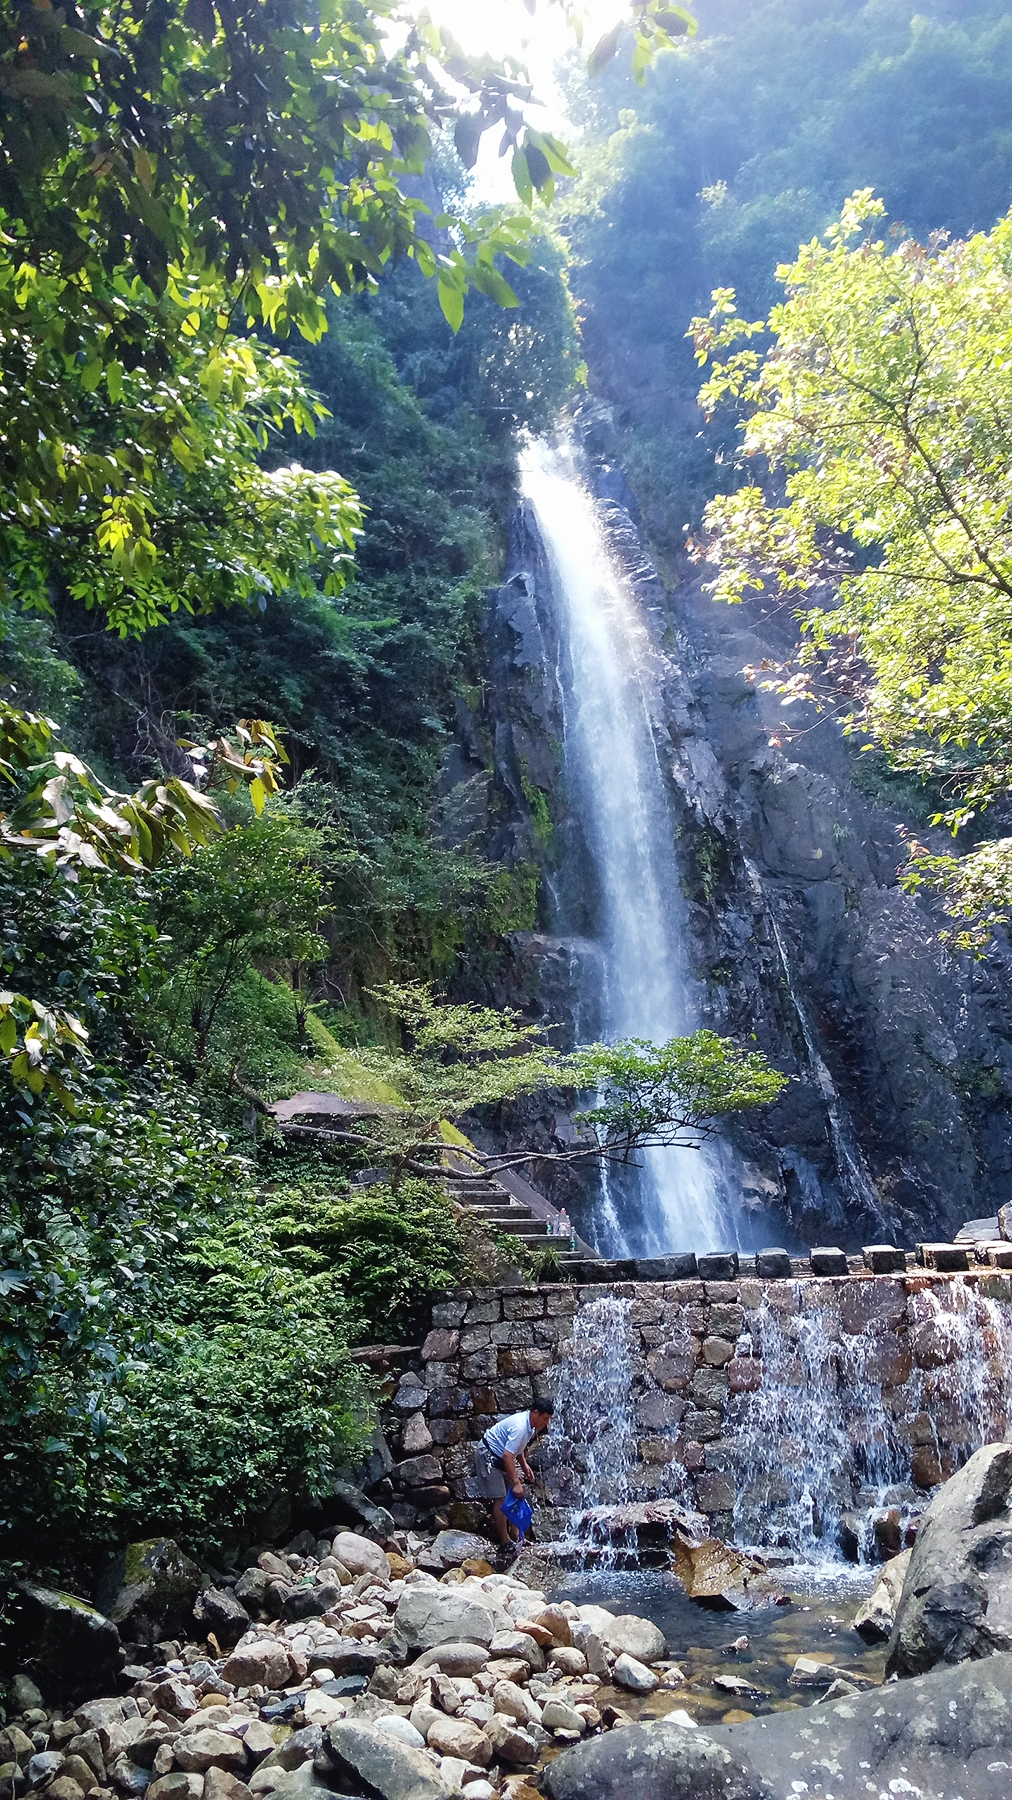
column 518, row 1510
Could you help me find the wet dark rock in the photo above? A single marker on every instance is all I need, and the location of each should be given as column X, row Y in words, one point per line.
column 827, row 1260
column 70, row 1648
column 773, row 1265
column 957, row 1597
column 940, row 1736
column 223, row 1613
column 720, row 1265
column 346, row 1504
column 149, row 1591
column 679, row 1267
column 310, row 1602
column 251, row 1591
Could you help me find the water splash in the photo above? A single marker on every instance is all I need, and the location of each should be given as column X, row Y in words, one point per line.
column 830, row 1442
column 962, row 1392
column 595, row 1425
column 614, row 776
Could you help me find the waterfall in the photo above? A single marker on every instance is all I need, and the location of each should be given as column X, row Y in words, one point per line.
column 614, row 778
column 829, row 1442
column 595, row 1425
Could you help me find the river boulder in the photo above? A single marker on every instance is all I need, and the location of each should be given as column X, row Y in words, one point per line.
column 944, row 1734
column 874, row 1620
column 360, row 1555
column 956, row 1603
column 377, row 1763
column 149, row 1590
column 719, row 1577
column 70, row 1647
column 427, row 1616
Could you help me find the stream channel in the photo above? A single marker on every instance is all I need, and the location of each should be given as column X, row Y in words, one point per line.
column 816, row 1624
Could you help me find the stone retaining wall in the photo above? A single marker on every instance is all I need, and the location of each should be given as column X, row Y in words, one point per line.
column 775, row 1407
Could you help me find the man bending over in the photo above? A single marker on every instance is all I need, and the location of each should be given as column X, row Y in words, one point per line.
column 500, row 1460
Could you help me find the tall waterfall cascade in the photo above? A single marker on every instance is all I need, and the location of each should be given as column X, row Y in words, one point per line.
column 614, row 778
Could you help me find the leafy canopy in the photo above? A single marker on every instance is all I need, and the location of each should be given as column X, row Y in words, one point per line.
column 886, row 397
column 657, row 1096
column 466, row 1056
column 62, row 815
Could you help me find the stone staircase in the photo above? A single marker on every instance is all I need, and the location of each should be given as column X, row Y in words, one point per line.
column 523, row 1212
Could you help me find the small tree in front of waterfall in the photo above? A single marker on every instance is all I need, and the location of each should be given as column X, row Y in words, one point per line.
column 667, row 1096
column 461, row 1057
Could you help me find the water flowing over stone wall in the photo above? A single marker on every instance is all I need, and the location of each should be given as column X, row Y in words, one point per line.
column 813, row 1414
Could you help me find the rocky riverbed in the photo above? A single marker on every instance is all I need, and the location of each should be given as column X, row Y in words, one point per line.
column 348, row 1667
column 410, row 1669
column 380, row 1657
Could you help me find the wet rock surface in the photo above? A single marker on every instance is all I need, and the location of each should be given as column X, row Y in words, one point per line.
column 874, row 1621
column 944, row 1736
column 957, row 1595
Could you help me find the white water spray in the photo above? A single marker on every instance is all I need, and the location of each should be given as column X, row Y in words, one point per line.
column 614, row 776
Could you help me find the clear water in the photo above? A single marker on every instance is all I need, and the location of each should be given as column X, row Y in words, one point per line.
column 614, row 777
column 818, row 1621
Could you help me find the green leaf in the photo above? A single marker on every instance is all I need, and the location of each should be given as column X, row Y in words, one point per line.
column 522, row 177
column 605, row 49
column 467, row 135
column 451, row 300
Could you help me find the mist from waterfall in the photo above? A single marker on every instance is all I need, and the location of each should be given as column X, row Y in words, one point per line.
column 615, row 782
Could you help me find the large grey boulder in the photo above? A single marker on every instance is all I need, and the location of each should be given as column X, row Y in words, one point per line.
column 376, row 1763
column 937, row 1737
column 149, row 1590
column 659, row 1762
column 630, row 1635
column 69, row 1646
column 437, row 1615
column 956, row 1602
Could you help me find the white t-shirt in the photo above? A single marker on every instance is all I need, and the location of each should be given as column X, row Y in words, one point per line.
column 512, row 1433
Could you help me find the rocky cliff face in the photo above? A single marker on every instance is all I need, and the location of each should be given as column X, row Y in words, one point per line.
column 899, row 1117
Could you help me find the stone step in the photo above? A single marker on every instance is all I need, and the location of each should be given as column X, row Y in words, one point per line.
column 517, row 1215
column 482, row 1208
column 466, row 1195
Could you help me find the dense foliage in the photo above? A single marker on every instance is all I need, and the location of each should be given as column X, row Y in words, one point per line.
column 886, row 399
column 172, row 175
column 742, row 144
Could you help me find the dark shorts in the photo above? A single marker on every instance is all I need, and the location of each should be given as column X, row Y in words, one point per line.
column 490, row 1478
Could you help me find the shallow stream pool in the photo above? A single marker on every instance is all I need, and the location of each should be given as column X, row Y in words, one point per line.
column 816, row 1623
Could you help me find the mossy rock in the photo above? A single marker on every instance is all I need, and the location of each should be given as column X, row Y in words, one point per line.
column 149, row 1589
column 70, row 1648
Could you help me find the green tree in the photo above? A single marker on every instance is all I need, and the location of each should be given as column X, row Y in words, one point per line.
column 886, row 400
column 253, row 898
column 169, row 176
column 744, row 143
column 464, row 1057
